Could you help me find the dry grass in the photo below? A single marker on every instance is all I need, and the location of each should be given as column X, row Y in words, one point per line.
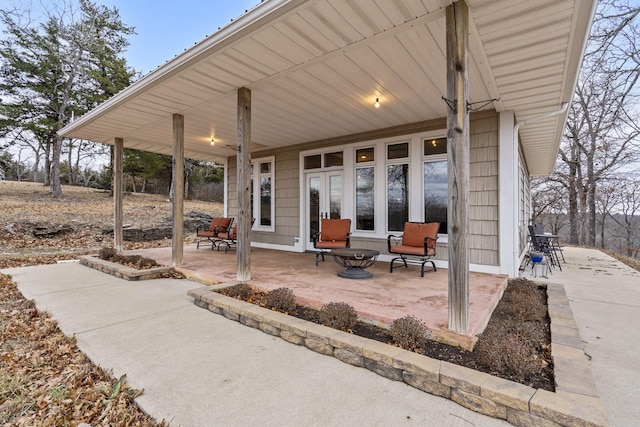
column 86, row 211
column 631, row 262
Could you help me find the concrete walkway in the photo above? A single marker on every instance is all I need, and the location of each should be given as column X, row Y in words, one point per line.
column 200, row 369
column 604, row 295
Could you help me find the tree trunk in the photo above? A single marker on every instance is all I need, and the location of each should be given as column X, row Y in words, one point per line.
column 583, row 217
column 604, row 221
column 56, row 188
column 70, row 178
column 47, row 164
column 573, row 211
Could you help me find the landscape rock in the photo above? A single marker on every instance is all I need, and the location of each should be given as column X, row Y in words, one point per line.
column 48, row 231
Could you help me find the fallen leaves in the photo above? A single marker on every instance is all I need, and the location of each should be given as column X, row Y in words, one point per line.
column 46, row 381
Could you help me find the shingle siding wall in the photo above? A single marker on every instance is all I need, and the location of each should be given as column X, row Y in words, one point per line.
column 483, row 197
column 483, row 194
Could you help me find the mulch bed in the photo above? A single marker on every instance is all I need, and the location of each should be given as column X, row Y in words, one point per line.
column 516, row 344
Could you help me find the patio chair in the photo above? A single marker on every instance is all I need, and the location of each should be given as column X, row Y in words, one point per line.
column 416, row 245
column 333, row 234
column 229, row 237
column 544, row 246
column 218, row 225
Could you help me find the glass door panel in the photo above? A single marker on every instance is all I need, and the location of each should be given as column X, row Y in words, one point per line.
column 313, row 205
column 324, row 200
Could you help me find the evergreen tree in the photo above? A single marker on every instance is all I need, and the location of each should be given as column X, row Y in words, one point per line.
column 57, row 69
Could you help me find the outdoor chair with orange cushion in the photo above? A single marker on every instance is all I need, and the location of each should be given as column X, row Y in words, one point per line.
column 230, row 237
column 218, row 225
column 416, row 245
column 334, row 234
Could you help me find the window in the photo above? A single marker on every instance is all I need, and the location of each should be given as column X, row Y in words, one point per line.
column 319, row 161
column 365, row 198
column 263, row 207
column 436, row 182
column 436, row 193
column 364, row 155
column 333, row 159
column 313, row 162
column 434, row 146
column 397, row 196
column 398, row 151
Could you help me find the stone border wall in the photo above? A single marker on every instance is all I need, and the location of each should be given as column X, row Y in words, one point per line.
column 122, row 271
column 575, row 402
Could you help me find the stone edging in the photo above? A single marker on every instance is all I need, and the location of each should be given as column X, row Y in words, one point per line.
column 122, row 271
column 575, row 402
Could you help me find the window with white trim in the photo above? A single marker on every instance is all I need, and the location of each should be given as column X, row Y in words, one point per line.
column 262, row 184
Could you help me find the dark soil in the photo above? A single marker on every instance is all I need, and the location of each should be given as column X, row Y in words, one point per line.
column 516, row 344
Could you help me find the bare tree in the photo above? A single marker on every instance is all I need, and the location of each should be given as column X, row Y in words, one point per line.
column 629, row 208
column 602, row 132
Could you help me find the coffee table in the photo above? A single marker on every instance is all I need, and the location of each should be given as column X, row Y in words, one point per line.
column 355, row 261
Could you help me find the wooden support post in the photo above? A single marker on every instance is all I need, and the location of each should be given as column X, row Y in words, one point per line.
column 177, row 183
column 243, row 261
column 118, row 159
column 458, row 163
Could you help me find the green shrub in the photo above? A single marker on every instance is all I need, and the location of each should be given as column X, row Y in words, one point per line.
column 409, row 332
column 338, row 315
column 241, row 291
column 281, row 299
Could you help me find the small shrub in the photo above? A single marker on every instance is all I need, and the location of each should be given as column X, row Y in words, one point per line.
column 338, row 315
column 146, row 263
column 241, row 291
column 107, row 253
column 510, row 355
column 132, row 259
column 409, row 332
column 281, row 299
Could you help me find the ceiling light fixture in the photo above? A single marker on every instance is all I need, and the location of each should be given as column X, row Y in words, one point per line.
column 377, row 104
column 213, row 142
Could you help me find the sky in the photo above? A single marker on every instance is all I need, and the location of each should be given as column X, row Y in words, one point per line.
column 166, row 28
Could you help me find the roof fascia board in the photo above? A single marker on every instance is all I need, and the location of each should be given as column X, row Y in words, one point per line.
column 262, row 14
column 581, row 25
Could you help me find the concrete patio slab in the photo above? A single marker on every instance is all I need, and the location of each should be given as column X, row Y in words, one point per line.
column 381, row 299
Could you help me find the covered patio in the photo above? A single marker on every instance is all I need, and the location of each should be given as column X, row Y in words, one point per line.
column 297, row 92
column 380, row 299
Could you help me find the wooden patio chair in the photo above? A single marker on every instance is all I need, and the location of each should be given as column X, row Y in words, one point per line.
column 218, row 225
column 333, row 234
column 416, row 245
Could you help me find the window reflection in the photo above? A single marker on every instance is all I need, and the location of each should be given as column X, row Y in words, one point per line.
column 397, row 196
column 365, row 178
column 436, row 193
column 265, row 201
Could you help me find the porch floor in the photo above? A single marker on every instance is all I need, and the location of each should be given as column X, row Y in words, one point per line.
column 380, row 299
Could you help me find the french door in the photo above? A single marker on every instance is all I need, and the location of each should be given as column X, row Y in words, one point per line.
column 323, row 200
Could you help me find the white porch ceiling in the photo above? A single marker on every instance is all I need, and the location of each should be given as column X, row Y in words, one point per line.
column 315, row 68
